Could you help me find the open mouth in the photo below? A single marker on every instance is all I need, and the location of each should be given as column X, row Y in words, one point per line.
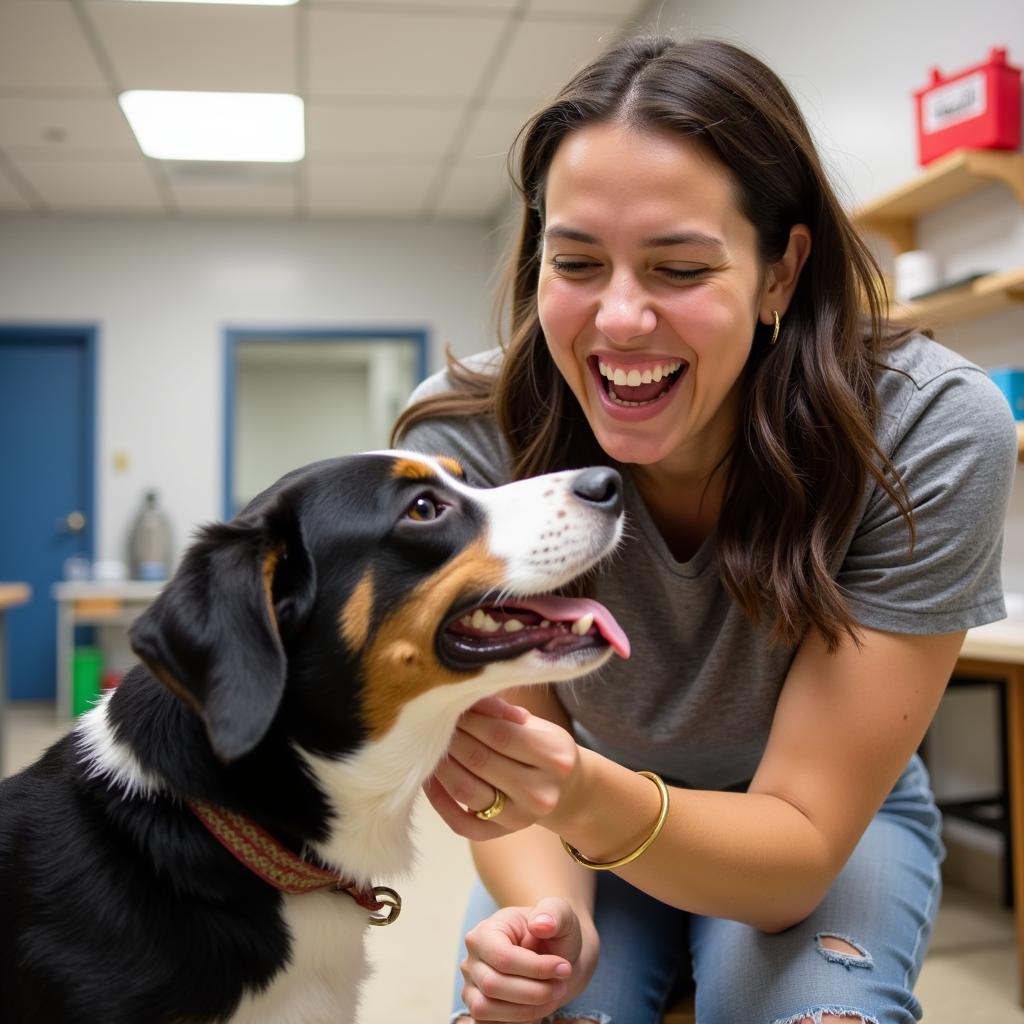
column 554, row 627
column 638, row 386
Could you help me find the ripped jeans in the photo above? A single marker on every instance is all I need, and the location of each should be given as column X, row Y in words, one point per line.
column 883, row 904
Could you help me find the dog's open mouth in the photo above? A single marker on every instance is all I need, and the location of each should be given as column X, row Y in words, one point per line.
column 552, row 626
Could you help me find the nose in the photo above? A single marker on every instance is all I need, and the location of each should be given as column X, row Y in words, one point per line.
column 600, row 487
column 624, row 313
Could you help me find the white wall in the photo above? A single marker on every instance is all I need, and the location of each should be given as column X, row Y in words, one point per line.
column 162, row 294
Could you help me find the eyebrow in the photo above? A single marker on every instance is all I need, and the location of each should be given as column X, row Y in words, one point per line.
column 657, row 242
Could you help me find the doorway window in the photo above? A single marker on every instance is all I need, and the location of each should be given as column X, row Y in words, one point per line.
column 296, row 398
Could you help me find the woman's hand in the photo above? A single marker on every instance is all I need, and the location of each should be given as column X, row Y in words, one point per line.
column 525, row 962
column 498, row 746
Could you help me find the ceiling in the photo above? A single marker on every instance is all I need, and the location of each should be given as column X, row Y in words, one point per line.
column 410, row 104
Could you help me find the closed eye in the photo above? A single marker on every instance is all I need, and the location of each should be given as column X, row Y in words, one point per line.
column 677, row 274
column 572, row 266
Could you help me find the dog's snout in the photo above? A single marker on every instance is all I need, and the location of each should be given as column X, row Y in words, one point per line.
column 600, row 487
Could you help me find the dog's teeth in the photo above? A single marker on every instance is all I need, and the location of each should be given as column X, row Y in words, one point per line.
column 544, row 623
column 490, row 625
column 581, row 626
column 513, row 626
column 477, row 620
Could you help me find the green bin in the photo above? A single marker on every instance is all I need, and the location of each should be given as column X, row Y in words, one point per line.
column 86, row 676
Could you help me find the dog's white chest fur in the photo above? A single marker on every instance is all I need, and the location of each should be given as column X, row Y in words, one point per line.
column 327, row 964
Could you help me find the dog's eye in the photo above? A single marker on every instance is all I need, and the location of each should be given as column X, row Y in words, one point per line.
column 424, row 508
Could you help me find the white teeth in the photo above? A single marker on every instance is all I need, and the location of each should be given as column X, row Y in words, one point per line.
column 582, row 626
column 483, row 622
column 633, row 378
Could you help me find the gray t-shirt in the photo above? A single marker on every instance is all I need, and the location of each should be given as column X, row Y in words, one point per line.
column 696, row 699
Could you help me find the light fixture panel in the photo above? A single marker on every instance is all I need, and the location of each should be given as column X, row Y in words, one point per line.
column 237, row 126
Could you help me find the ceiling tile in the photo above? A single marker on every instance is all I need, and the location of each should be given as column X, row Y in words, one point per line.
column 42, row 46
column 544, row 55
column 199, row 47
column 620, row 9
column 11, row 200
column 86, row 184
column 398, row 56
column 64, row 125
column 473, row 188
column 249, row 199
column 369, row 188
column 381, row 131
column 426, row 6
column 494, row 129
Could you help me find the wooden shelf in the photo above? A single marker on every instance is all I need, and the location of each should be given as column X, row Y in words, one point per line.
column 948, row 178
column 987, row 294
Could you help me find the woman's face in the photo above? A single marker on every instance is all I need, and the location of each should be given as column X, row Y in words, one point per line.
column 649, row 293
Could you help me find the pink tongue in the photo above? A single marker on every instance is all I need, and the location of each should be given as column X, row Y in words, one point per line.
column 567, row 609
column 641, row 393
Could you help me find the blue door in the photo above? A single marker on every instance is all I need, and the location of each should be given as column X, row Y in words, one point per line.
column 47, row 413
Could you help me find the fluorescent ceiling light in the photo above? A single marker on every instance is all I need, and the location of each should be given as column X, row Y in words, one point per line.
column 261, row 3
column 216, row 125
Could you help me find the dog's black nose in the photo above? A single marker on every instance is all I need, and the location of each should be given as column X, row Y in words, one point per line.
column 601, row 487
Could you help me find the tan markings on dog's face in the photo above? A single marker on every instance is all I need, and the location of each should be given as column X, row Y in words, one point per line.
column 355, row 617
column 269, row 568
column 176, row 687
column 413, row 469
column 453, row 466
column 401, row 663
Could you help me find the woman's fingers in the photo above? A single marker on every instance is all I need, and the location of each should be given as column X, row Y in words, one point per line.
column 463, row 785
column 507, row 980
column 457, row 818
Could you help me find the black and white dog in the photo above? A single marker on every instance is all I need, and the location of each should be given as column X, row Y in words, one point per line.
column 202, row 847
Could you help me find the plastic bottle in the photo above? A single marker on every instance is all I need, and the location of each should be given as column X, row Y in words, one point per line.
column 150, row 543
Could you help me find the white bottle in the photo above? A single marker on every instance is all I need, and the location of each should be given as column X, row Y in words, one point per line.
column 150, row 543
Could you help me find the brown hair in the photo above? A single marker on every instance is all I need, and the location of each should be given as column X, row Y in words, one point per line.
column 805, row 446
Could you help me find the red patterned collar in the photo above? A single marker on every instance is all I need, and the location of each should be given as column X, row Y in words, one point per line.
column 264, row 856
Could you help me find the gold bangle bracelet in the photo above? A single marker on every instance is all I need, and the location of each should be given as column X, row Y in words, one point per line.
column 607, row 865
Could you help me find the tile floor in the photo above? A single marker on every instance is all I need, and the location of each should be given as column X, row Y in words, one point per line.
column 970, row 976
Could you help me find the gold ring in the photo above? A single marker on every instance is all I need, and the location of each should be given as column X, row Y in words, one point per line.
column 497, row 806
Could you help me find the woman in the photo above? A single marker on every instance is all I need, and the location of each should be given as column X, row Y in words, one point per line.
column 816, row 504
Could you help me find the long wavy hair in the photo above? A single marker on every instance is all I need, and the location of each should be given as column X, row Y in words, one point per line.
column 805, row 447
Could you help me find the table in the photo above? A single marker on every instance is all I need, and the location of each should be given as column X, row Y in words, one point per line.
column 92, row 604
column 11, row 595
column 996, row 652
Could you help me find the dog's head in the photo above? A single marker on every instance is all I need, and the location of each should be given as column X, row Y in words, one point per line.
column 355, row 585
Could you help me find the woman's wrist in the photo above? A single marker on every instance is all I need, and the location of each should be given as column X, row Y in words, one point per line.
column 610, row 811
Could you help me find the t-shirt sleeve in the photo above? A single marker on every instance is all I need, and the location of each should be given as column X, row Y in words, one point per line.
column 954, row 444
column 474, row 441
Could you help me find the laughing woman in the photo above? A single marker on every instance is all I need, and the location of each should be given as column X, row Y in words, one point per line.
column 816, row 502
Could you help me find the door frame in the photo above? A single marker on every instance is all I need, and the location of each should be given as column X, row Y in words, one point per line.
column 86, row 336
column 233, row 336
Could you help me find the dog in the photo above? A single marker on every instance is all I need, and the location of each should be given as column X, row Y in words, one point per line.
column 203, row 845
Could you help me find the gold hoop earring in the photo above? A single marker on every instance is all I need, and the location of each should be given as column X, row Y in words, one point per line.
column 775, row 333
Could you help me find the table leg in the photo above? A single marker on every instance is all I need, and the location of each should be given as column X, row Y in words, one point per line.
column 1015, row 799
column 3, row 685
column 65, row 650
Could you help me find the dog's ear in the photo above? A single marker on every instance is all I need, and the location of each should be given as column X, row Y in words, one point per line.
column 214, row 634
